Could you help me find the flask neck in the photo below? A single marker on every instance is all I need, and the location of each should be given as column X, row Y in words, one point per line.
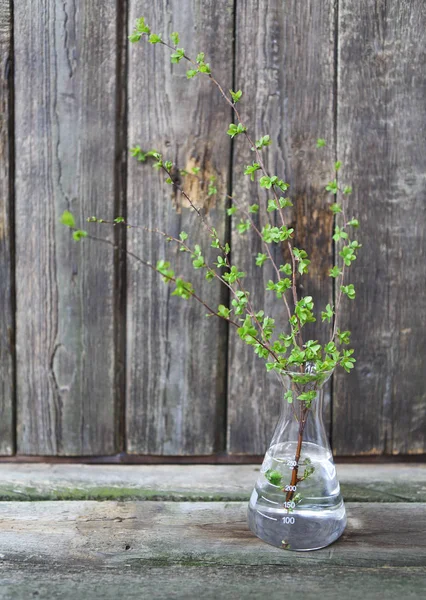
column 301, row 418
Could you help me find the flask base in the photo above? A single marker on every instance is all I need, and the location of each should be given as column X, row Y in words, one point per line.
column 299, row 531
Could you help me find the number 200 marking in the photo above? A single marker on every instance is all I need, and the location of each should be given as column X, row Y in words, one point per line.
column 290, row 488
column 288, row 520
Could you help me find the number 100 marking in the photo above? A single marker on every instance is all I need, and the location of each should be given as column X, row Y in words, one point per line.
column 288, row 520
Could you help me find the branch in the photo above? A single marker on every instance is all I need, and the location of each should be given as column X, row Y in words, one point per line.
column 170, row 278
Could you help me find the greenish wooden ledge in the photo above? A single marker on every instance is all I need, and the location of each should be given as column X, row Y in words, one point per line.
column 180, row 550
column 359, row 482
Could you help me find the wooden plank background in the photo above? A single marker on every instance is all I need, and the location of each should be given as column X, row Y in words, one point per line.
column 381, row 133
column 106, row 360
column 65, row 122
column 175, row 400
column 7, row 333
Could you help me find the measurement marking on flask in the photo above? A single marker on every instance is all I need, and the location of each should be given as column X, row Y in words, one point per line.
column 292, row 463
column 290, row 504
column 288, row 520
column 290, row 488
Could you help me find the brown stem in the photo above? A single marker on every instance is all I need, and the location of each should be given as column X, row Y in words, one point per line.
column 294, row 475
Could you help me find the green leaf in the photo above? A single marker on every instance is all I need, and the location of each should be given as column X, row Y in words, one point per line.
column 212, row 189
column 119, row 220
column 79, row 234
column 163, row 267
column 183, row 236
column 321, row 143
column 135, row 37
column 67, row 219
column 221, row 262
column 354, row 223
column 251, row 169
column 243, row 226
column 276, row 234
column 235, row 129
column 343, row 336
column 231, row 211
column 223, row 311
column 175, row 38
column 337, row 165
column 177, row 56
column 267, row 182
column 272, row 205
column 204, row 68
column 330, row 348
column 347, row 190
column 347, row 361
column 307, row 398
column 239, row 303
column 303, row 310
column 348, row 255
column 349, row 290
column 248, row 332
column 335, row 271
column 274, row 477
column 265, row 140
column 183, row 289
column 253, row 208
column 198, row 259
column 339, row 234
column 191, row 73
column 236, row 96
column 233, row 275
column 200, row 57
column 154, row 38
column 289, row 396
column 332, row 187
column 335, row 208
column 287, row 269
column 285, row 202
column 327, row 315
column 141, row 26
column 261, row 259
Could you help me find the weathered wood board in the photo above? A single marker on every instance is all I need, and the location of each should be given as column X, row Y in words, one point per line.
column 381, row 132
column 349, row 72
column 176, row 370
column 179, row 550
column 65, row 86
column 365, row 483
column 284, row 53
column 7, row 332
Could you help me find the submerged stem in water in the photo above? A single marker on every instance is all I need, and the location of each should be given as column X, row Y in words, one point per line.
column 304, row 411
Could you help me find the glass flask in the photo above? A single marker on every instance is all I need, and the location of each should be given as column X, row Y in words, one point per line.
column 296, row 503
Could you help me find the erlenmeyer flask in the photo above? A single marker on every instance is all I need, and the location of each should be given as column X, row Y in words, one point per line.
column 296, row 503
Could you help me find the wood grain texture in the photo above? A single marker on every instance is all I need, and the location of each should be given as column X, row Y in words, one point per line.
column 284, row 64
column 65, row 130
column 176, row 360
column 186, row 581
column 182, row 550
column 7, row 332
column 359, row 483
column 381, row 128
